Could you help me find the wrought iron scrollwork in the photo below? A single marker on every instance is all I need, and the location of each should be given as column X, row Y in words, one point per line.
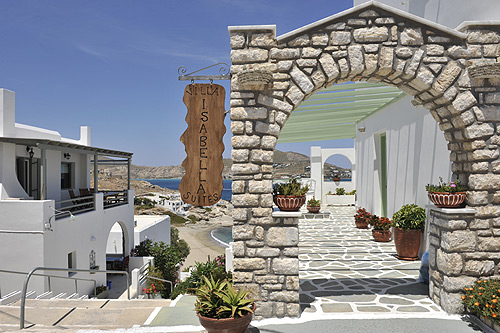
column 224, row 73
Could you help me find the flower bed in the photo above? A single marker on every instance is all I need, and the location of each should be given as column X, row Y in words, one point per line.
column 483, row 299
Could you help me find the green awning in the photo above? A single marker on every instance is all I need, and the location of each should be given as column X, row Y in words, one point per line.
column 333, row 112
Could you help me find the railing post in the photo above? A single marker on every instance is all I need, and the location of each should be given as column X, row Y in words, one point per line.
column 50, row 287
column 76, row 286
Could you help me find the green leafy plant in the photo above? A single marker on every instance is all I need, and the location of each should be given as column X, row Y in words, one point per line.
column 313, row 202
column 483, row 298
column 340, row 191
column 167, row 258
column 100, row 289
column 362, row 216
column 292, row 187
column 409, row 217
column 215, row 268
column 353, row 192
column 380, row 223
column 451, row 187
column 218, row 299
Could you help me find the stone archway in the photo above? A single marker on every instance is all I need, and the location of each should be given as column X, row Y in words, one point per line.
column 371, row 42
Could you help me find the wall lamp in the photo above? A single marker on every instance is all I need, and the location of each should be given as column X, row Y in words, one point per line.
column 361, row 129
column 30, row 151
column 67, row 156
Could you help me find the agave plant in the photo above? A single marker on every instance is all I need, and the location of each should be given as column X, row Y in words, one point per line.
column 219, row 299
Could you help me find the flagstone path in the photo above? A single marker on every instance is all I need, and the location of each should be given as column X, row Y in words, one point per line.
column 343, row 270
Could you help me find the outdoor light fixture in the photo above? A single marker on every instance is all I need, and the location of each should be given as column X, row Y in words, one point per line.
column 67, row 156
column 30, row 151
column 48, row 225
column 361, row 129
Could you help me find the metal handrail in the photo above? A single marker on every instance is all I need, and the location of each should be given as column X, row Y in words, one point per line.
column 54, row 276
column 82, row 205
column 28, row 276
column 117, row 198
column 155, row 278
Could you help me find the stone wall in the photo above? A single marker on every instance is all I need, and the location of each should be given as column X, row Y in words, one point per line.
column 462, row 249
column 370, row 42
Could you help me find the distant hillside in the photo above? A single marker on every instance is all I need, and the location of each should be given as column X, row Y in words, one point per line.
column 285, row 164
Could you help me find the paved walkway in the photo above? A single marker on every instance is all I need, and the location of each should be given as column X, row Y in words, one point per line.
column 343, row 270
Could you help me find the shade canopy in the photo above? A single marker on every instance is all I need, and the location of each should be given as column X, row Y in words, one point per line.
column 333, row 112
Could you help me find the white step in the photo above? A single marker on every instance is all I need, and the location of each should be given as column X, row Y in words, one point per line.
column 44, row 295
column 58, row 296
column 73, row 296
column 84, row 297
column 10, row 298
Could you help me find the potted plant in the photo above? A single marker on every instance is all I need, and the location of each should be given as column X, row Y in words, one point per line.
column 380, row 228
column 362, row 218
column 290, row 196
column 446, row 195
column 222, row 309
column 313, row 205
column 408, row 224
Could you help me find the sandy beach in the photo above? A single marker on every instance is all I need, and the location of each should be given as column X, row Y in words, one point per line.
column 197, row 235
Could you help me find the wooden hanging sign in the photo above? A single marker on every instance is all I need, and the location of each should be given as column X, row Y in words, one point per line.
column 202, row 182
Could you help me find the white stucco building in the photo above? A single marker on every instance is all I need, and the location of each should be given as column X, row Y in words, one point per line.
column 40, row 225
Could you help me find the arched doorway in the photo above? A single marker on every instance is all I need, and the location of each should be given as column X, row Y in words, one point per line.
column 373, row 43
column 117, row 259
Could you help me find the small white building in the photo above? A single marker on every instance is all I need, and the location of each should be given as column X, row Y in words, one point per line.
column 40, row 225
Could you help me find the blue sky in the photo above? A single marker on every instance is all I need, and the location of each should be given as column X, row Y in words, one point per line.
column 112, row 64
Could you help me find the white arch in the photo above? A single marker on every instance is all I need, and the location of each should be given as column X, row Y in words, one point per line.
column 318, row 158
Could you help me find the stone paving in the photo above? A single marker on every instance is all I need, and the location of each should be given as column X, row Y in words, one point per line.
column 343, row 270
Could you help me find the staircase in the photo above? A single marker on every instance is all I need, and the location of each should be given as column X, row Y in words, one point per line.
column 62, row 311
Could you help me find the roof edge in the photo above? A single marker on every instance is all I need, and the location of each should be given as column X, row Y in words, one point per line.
column 466, row 24
column 377, row 4
column 237, row 28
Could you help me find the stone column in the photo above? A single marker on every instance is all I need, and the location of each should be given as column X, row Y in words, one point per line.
column 462, row 249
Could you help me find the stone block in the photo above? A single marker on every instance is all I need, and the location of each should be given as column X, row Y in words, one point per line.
column 329, row 66
column 292, row 310
column 284, row 54
column 261, row 212
column 458, row 241
column 237, row 40
column 245, row 141
column 261, row 156
column 249, row 56
column 268, row 129
column 239, row 155
column 483, row 37
column 245, row 200
column 479, row 224
column 282, row 236
column 457, row 284
column 295, row 95
column 265, row 39
column 340, row 38
column 479, row 268
column 268, row 142
column 291, row 252
column 264, row 309
column 266, row 200
column 243, row 277
column 371, row 35
column 285, row 296
column 302, row 80
column 286, row 266
column 274, row 103
column 267, row 252
column 356, row 59
column 244, row 264
column 243, row 232
column 449, row 263
column 489, row 243
column 237, row 127
column 320, row 39
column 411, row 36
column 386, row 60
column 302, row 40
column 451, row 302
column 484, row 181
column 476, row 131
column 240, row 214
column 447, row 77
column 244, row 168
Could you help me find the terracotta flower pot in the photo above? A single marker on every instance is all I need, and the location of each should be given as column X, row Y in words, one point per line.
column 361, row 224
column 226, row 325
column 407, row 243
column 313, row 209
column 381, row 235
column 290, row 203
column 446, row 200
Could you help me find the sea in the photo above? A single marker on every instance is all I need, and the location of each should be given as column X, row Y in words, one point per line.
column 173, row 184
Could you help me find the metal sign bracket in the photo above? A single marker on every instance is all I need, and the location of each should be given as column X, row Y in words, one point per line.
column 224, row 73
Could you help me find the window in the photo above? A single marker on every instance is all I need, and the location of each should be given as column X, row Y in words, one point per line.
column 66, row 176
column 72, row 262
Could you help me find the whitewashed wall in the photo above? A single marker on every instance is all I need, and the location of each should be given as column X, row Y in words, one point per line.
column 417, row 154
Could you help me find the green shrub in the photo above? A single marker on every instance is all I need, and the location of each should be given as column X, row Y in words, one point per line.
column 483, row 298
column 144, row 202
column 176, row 219
column 340, row 191
column 353, row 192
column 167, row 257
column 216, row 268
column 409, row 217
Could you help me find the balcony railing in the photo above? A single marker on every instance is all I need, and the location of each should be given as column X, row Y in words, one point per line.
column 75, row 205
column 84, row 204
column 115, row 198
